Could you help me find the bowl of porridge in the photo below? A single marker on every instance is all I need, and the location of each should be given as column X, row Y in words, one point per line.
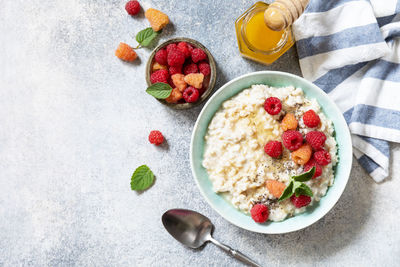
column 270, row 152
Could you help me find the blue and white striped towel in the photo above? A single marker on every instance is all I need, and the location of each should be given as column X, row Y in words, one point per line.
column 351, row 50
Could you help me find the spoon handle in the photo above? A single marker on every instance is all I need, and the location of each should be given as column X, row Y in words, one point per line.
column 236, row 254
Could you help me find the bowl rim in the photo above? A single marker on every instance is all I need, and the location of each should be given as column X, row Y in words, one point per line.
column 211, row 62
column 291, row 76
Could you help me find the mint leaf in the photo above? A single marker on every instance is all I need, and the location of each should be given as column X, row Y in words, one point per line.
column 304, row 177
column 303, row 189
column 146, row 36
column 159, row 90
column 142, row 178
column 288, row 192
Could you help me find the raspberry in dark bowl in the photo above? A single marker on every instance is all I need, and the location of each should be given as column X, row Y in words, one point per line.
column 192, row 67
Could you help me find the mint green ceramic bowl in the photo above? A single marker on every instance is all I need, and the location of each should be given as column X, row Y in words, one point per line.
column 223, row 207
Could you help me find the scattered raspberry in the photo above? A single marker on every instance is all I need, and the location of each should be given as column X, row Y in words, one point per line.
column 175, row 96
column 276, row 188
column 302, row 155
column 170, row 47
column 300, row 201
column 191, row 94
column 125, row 52
column 160, row 76
column 175, row 58
column 292, row 140
column 259, row 213
column 311, row 119
column 183, row 46
column 204, row 68
column 156, row 138
column 289, row 122
column 179, row 82
column 195, row 79
column 161, row 57
column 132, row 7
column 273, row 149
column 322, row 157
column 190, row 68
column 312, row 163
column 158, row 66
column 198, row 55
column 174, row 70
column 316, row 139
column 272, row 105
column 157, row 19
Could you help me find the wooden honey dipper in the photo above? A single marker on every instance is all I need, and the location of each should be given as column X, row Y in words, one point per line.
column 282, row 13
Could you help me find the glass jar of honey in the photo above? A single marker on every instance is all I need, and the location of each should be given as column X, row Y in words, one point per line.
column 256, row 41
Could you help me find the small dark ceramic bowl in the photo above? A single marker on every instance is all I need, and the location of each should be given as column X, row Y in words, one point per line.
column 210, row 80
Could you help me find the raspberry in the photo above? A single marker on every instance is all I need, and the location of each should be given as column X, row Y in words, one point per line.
column 302, row 155
column 300, row 201
column 179, row 82
column 156, row 138
column 158, row 66
column 195, row 79
column 175, row 96
column 259, row 213
column 276, row 188
column 289, row 122
column 160, row 76
column 125, row 52
column 316, row 139
column 161, row 57
column 292, row 140
column 273, row 149
column 175, row 58
column 132, row 7
column 312, row 163
column 183, row 46
column 190, row 68
column 174, row 70
column 204, row 68
column 191, row 94
column 272, row 105
column 322, row 157
column 198, row 55
column 157, row 19
column 170, row 47
column 311, row 119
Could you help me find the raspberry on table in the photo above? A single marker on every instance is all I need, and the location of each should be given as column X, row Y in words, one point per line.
column 183, row 46
column 175, row 96
column 132, row 7
column 179, row 82
column 157, row 19
column 191, row 94
column 161, row 57
column 272, row 105
column 275, row 187
column 292, row 140
column 198, row 55
column 322, row 157
column 190, row 68
column 312, row 163
column 289, row 122
column 160, row 76
column 125, row 52
column 175, row 57
column 311, row 119
column 300, row 201
column 195, row 79
column 273, row 149
column 316, row 139
column 259, row 213
column 156, row 137
column 302, row 155
column 204, row 68
column 174, row 70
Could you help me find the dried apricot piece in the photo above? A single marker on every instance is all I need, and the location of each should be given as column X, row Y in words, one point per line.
column 158, row 66
column 276, row 188
column 179, row 82
column 302, row 155
column 195, row 79
column 157, row 19
column 125, row 52
column 175, row 96
column 289, row 122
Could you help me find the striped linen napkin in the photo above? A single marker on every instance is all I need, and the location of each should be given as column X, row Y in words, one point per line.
column 351, row 50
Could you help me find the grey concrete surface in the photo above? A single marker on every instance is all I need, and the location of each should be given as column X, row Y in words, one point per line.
column 74, row 122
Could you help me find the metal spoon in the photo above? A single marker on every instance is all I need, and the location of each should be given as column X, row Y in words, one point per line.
column 194, row 229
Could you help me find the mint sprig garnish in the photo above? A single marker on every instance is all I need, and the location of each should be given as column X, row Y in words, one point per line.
column 142, row 178
column 159, row 90
column 297, row 185
column 146, row 36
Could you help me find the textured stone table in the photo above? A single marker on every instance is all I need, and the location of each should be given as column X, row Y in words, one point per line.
column 74, row 122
